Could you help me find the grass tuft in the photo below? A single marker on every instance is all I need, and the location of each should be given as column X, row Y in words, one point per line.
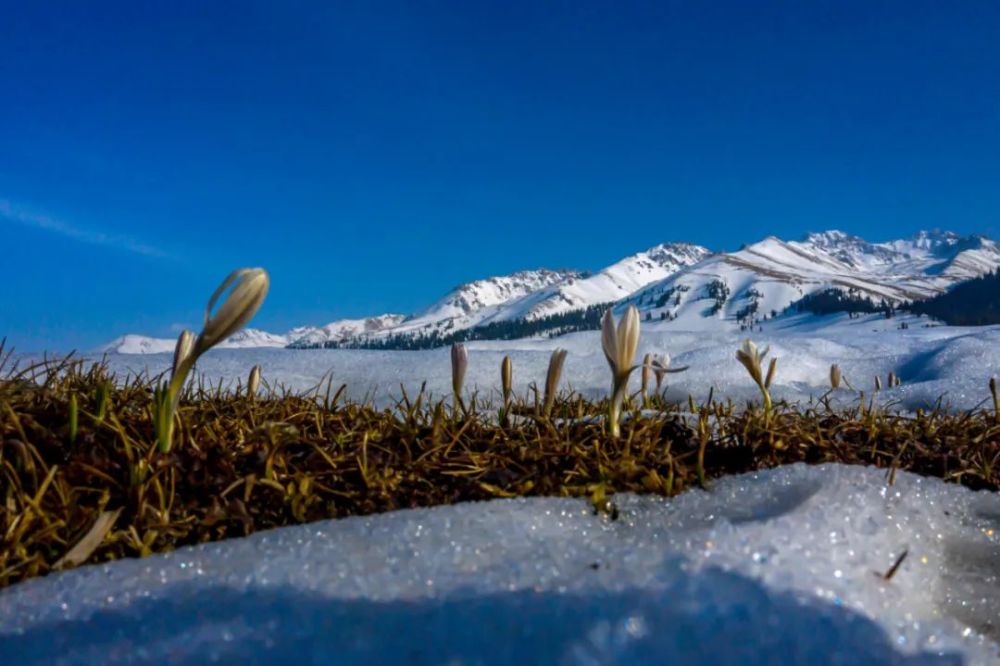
column 96, row 487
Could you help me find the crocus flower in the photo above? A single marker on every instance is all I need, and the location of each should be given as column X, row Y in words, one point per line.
column 619, row 345
column 459, row 364
column 556, row 362
column 751, row 358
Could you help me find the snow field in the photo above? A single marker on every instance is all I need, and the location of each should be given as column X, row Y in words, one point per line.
column 782, row 566
column 951, row 363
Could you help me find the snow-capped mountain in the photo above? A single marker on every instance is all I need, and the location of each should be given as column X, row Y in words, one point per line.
column 343, row 329
column 609, row 285
column 142, row 344
column 675, row 282
column 131, row 343
column 253, row 337
column 476, row 303
column 530, row 295
column 474, row 297
column 772, row 274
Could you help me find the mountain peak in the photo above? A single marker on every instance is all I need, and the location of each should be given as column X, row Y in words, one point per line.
column 669, row 281
column 935, row 238
column 830, row 237
column 471, row 297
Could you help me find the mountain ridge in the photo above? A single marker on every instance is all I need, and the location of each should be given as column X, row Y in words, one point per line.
column 769, row 276
column 669, row 281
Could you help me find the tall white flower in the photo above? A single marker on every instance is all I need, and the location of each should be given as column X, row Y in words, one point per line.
column 249, row 289
column 619, row 344
column 752, row 359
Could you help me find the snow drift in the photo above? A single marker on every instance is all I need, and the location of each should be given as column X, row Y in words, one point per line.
column 783, row 566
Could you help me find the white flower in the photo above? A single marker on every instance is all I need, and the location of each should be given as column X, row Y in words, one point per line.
column 619, row 345
column 751, row 358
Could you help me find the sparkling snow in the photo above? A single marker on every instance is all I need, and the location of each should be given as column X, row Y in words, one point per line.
column 777, row 567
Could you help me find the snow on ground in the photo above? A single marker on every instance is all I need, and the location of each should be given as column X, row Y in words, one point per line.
column 776, row 567
column 950, row 362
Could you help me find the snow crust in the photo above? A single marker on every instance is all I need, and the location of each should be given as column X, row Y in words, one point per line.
column 782, row 566
column 952, row 363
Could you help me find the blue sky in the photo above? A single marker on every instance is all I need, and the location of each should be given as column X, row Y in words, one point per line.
column 372, row 155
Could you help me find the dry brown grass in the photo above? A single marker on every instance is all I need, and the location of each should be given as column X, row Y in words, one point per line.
column 241, row 465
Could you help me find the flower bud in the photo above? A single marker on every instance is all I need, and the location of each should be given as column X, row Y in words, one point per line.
column 552, row 378
column 182, row 352
column 772, row 366
column 619, row 347
column 647, row 372
column 459, row 364
column 253, row 381
column 620, row 344
column 250, row 287
column 507, row 377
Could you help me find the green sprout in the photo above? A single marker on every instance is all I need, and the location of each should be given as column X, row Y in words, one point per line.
column 74, row 418
column 102, row 394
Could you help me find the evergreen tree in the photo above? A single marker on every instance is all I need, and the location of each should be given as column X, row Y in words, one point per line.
column 975, row 302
